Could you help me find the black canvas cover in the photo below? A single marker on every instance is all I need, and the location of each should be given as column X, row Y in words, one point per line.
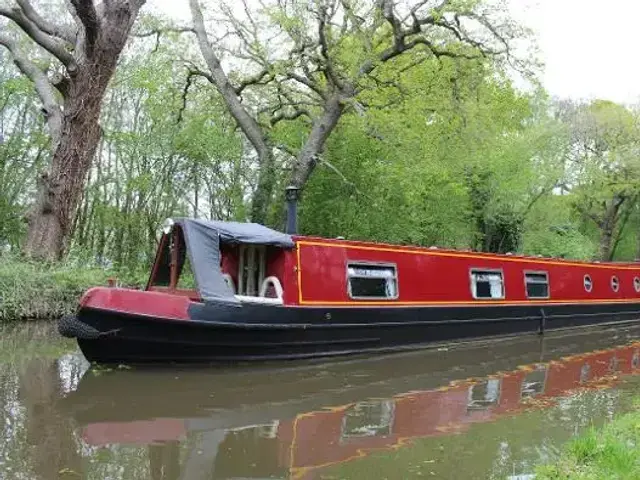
column 203, row 237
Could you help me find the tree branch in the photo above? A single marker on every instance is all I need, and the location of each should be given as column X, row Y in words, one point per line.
column 55, row 46
column 331, row 74
column 291, row 115
column 159, row 31
column 256, row 79
column 86, row 12
column 43, row 87
column 308, row 83
column 185, row 91
column 163, row 30
column 219, row 78
column 407, row 37
column 60, row 31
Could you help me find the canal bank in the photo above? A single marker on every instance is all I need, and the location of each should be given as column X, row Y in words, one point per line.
column 36, row 290
column 612, row 451
column 489, row 410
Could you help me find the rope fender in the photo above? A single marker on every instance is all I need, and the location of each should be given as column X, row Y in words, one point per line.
column 70, row 327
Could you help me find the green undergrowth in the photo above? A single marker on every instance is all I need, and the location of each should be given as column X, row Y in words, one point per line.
column 612, row 453
column 34, row 290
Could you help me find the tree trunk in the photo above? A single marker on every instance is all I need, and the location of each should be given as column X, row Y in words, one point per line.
column 607, row 228
column 264, row 191
column 314, row 145
column 606, row 241
column 60, row 189
column 48, row 432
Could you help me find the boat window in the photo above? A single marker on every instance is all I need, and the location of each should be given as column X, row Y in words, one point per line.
column 615, row 283
column 534, row 382
column 588, row 284
column 537, row 284
column 484, row 394
column 487, row 284
column 161, row 273
column 368, row 419
column 372, row 281
column 186, row 277
column 636, row 284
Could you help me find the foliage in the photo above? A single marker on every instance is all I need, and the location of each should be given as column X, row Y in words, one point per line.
column 31, row 290
column 603, row 166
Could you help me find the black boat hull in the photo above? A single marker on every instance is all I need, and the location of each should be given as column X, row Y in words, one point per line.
column 220, row 333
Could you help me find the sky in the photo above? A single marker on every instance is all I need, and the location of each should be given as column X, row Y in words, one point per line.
column 589, row 47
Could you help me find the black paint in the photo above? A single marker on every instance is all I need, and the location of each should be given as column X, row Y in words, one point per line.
column 228, row 333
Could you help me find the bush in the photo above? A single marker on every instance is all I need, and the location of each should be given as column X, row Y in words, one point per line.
column 31, row 290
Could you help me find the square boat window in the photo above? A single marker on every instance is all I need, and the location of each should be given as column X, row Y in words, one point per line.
column 537, row 284
column 487, row 284
column 484, row 395
column 372, row 281
column 368, row 419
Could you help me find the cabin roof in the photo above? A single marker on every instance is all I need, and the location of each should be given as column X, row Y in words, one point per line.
column 257, row 234
column 238, row 232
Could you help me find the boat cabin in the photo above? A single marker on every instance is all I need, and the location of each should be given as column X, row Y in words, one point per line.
column 223, row 261
column 250, row 263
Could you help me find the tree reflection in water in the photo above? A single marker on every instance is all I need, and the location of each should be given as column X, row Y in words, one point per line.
column 164, row 460
column 54, row 451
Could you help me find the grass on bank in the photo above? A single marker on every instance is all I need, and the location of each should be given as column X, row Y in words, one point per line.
column 30, row 290
column 612, row 452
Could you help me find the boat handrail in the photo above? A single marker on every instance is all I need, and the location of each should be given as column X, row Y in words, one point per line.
column 260, row 300
column 229, row 279
column 276, row 284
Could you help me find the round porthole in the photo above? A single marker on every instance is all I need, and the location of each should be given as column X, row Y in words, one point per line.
column 636, row 284
column 615, row 283
column 588, row 284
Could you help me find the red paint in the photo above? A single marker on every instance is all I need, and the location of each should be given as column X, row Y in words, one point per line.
column 139, row 432
column 230, row 261
column 275, row 262
column 423, row 277
column 181, row 292
column 154, row 304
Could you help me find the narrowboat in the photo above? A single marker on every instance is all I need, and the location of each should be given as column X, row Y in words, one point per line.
column 227, row 292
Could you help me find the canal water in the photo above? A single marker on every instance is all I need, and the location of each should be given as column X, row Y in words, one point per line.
column 491, row 410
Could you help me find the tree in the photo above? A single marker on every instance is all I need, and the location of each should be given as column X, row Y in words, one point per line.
column 604, row 165
column 23, row 150
column 84, row 55
column 313, row 61
column 156, row 159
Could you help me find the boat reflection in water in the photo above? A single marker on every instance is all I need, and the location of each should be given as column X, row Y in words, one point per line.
column 295, row 423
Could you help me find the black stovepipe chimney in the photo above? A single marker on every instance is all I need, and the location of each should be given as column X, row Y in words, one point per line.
column 291, row 195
